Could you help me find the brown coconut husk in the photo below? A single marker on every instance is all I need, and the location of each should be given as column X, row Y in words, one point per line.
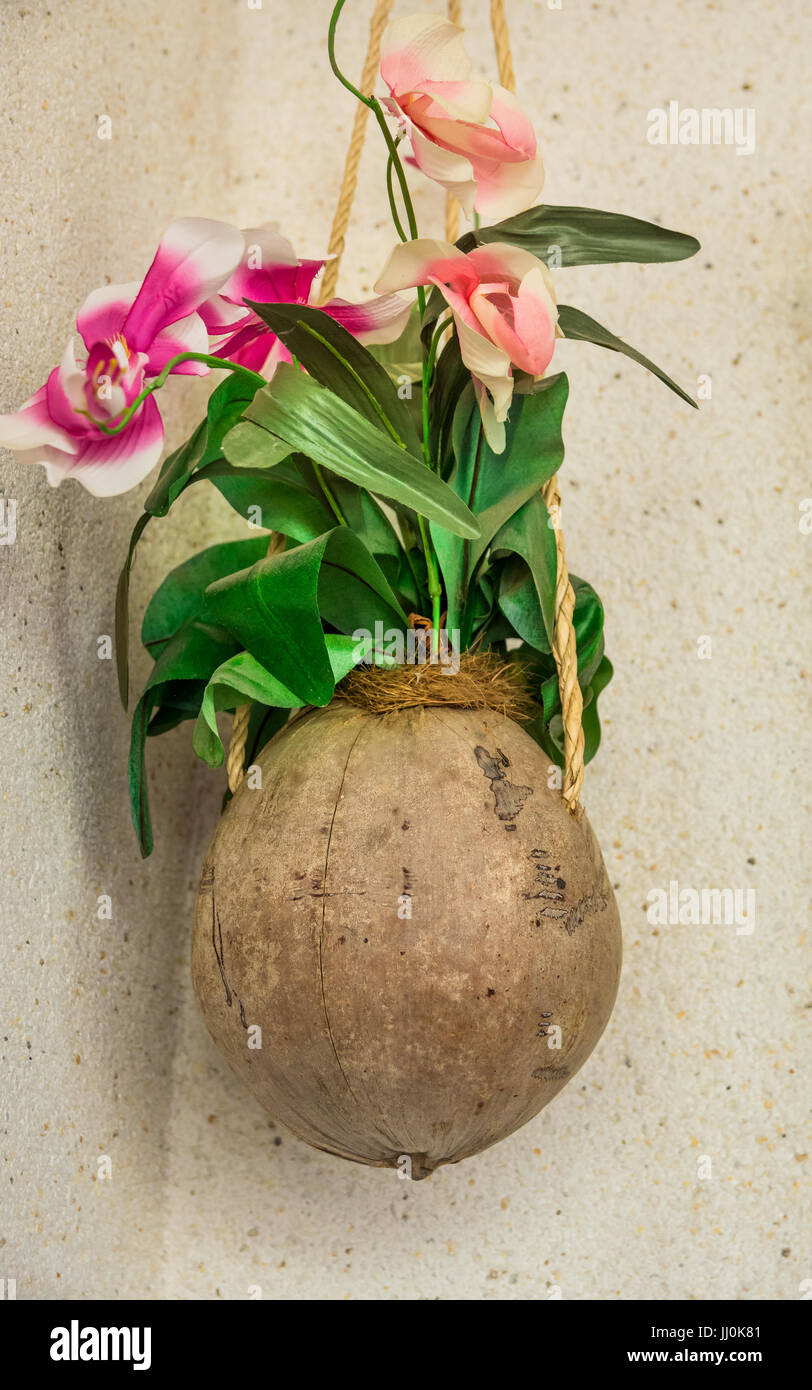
column 484, row 681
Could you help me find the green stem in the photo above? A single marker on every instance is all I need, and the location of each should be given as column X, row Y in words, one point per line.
column 219, row 363
column 329, row 494
column 428, row 362
column 435, row 588
column 390, row 193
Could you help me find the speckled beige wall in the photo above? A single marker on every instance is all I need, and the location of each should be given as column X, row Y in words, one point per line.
column 688, row 526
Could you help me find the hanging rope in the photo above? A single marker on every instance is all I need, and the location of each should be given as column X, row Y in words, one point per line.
column 564, row 643
column 565, row 648
column 349, row 182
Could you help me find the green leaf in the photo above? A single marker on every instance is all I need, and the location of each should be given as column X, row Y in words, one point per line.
column 192, row 654
column 529, row 535
column 496, row 486
column 585, row 236
column 224, row 407
column 122, row 619
column 182, row 596
column 450, row 379
column 274, row 608
column 176, row 471
column 590, row 721
column 311, row 419
column 285, row 504
column 575, row 324
column 588, row 621
column 335, row 359
column 519, row 601
column 243, row 678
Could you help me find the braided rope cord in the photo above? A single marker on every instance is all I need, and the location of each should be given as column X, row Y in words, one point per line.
column 564, row 643
column 565, row 649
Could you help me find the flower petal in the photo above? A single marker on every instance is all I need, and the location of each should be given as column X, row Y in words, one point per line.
column 220, row 315
column 422, row 262
column 423, row 48
column 65, row 394
column 195, row 257
column 187, row 335
column 110, row 464
column 505, row 190
column 33, row 431
column 452, row 171
column 516, row 128
column 102, row 315
column 380, row 320
column 489, row 364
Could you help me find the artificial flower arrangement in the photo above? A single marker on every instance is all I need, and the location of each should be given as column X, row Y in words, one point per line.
column 398, row 903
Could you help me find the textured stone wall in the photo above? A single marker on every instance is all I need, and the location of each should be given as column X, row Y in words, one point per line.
column 687, row 524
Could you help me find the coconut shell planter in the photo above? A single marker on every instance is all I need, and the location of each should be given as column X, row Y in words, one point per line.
column 405, row 942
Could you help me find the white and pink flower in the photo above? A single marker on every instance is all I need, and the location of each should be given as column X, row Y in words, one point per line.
column 271, row 273
column 467, row 134
column 504, row 308
column 130, row 332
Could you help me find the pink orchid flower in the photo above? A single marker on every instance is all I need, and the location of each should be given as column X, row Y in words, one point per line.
column 504, row 308
column 468, row 135
column 130, row 332
column 271, row 273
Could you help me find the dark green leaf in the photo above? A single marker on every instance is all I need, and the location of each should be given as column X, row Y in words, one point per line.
column 192, row 654
column 273, row 608
column 496, row 486
column 335, row 359
column 182, row 596
column 269, row 499
column 243, row 678
column 519, row 601
column 584, row 236
column 575, row 324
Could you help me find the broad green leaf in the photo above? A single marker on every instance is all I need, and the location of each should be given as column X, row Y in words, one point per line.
column 529, row 535
column 588, row 622
column 566, row 236
column 224, row 407
column 247, row 447
column 243, row 678
column 575, row 324
column 335, row 359
column 590, row 721
column 312, row 420
column 519, row 601
column 273, row 609
column 179, row 700
column 176, row 471
column 192, row 654
column 270, row 499
column 496, row 486
column 182, row 596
